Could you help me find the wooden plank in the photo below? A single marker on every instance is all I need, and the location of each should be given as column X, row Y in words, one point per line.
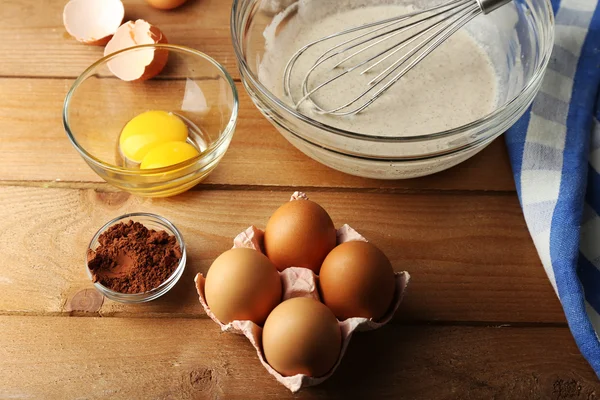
column 33, row 31
column 470, row 257
column 32, row 135
column 189, row 358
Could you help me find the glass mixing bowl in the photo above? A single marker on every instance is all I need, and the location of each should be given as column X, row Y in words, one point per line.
column 518, row 38
column 192, row 85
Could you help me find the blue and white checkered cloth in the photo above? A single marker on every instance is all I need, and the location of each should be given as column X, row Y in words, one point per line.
column 555, row 154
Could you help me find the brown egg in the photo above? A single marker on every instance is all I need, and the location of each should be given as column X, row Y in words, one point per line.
column 302, row 336
column 299, row 234
column 242, row 284
column 357, row 280
column 165, row 4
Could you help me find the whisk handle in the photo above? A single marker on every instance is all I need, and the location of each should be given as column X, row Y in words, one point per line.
column 488, row 6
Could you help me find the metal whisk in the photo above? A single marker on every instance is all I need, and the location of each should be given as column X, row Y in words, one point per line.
column 416, row 35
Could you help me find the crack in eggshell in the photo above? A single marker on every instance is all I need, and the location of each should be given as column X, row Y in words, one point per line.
column 301, row 282
column 93, row 22
column 142, row 64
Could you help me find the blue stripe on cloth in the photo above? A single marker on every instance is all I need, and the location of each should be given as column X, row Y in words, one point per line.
column 590, row 280
column 555, row 6
column 515, row 142
column 588, row 214
column 596, row 134
column 592, row 196
column 564, row 235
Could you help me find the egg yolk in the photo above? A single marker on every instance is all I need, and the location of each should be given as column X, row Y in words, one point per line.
column 167, row 154
column 148, row 130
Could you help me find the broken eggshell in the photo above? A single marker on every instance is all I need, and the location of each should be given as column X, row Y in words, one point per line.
column 301, row 282
column 93, row 22
column 137, row 65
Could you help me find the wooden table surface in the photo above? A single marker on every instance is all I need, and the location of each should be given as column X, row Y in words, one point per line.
column 480, row 319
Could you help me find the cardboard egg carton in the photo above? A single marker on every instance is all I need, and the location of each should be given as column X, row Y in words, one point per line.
column 301, row 282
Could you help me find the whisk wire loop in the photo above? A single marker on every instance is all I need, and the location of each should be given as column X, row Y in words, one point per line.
column 411, row 29
column 326, row 55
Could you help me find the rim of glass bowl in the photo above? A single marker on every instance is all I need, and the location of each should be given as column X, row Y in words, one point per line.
column 89, row 71
column 160, row 289
column 488, row 119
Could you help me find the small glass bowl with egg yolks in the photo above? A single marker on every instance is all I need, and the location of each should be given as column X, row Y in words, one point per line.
column 156, row 137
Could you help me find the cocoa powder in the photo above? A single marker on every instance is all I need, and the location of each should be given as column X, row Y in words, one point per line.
column 131, row 258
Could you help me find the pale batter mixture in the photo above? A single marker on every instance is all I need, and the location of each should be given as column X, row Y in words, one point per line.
column 455, row 85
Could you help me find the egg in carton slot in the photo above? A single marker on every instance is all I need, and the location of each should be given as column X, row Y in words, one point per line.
column 301, row 282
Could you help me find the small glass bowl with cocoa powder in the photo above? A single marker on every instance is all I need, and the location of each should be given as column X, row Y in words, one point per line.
column 136, row 258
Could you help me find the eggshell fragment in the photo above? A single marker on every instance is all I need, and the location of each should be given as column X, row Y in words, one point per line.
column 302, row 282
column 93, row 22
column 165, row 4
column 138, row 65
